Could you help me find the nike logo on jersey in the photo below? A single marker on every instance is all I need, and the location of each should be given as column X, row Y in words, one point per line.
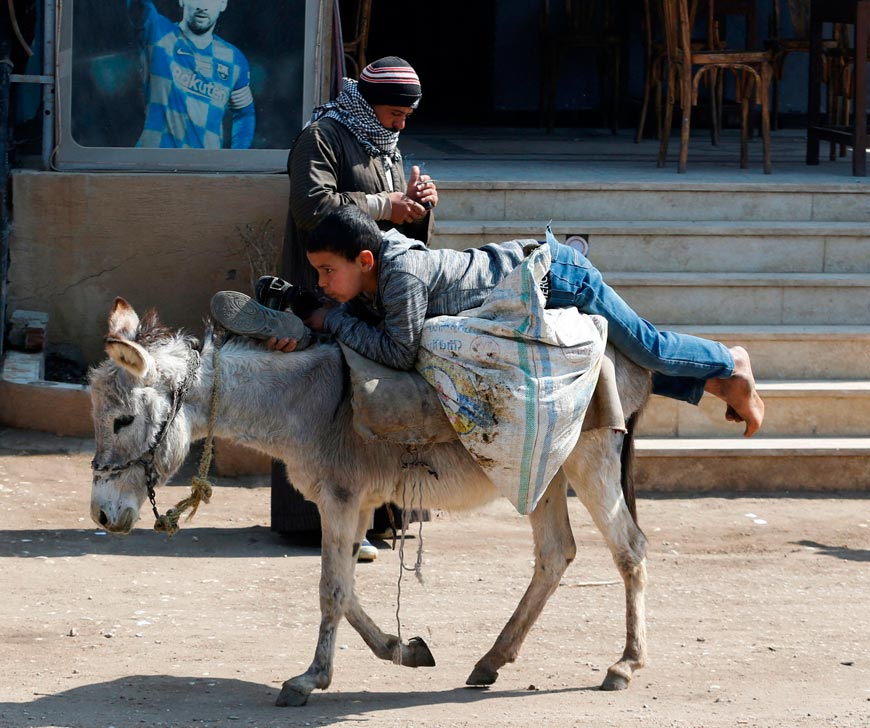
column 182, row 52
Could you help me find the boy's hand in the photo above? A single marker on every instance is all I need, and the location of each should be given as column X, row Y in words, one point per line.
column 315, row 320
column 421, row 188
column 283, row 345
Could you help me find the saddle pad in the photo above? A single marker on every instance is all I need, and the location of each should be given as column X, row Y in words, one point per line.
column 393, row 405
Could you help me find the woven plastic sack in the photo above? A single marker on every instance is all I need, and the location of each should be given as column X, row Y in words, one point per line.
column 515, row 379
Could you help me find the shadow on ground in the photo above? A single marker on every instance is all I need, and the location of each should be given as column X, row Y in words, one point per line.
column 148, row 700
column 840, row 552
column 197, row 542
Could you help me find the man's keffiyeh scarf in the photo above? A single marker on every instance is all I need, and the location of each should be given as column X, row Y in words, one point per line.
column 351, row 110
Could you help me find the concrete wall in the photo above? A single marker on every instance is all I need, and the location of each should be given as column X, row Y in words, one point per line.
column 167, row 241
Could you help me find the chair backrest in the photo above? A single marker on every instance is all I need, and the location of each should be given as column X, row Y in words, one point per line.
column 798, row 13
column 678, row 19
column 676, row 22
column 799, row 10
column 577, row 17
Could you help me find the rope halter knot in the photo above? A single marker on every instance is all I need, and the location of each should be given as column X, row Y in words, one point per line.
column 200, row 486
column 200, row 492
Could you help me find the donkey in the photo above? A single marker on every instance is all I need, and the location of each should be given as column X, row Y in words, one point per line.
column 151, row 399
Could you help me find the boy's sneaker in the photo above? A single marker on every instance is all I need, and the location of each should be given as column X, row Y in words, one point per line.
column 578, row 242
column 242, row 315
column 366, row 552
column 276, row 293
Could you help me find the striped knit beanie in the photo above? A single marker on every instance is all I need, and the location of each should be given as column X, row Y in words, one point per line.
column 390, row 81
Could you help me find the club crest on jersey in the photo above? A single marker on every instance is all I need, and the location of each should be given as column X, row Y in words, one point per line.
column 223, row 71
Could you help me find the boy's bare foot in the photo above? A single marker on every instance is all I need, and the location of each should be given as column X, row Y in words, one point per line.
column 739, row 393
column 731, row 414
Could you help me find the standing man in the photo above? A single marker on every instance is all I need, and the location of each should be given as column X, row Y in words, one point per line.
column 349, row 155
column 193, row 77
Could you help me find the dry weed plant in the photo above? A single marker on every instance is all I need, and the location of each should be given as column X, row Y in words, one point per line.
column 261, row 248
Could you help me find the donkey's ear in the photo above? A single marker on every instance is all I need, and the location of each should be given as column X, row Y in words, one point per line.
column 123, row 321
column 130, row 356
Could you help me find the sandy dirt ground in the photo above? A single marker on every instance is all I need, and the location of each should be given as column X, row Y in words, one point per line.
column 757, row 614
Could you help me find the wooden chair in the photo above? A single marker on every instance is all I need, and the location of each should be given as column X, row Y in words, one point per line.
column 846, row 79
column 782, row 45
column 655, row 54
column 687, row 66
column 580, row 24
column 655, row 57
column 836, row 67
column 355, row 48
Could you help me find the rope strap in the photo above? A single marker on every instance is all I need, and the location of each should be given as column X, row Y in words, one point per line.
column 200, row 486
column 416, row 488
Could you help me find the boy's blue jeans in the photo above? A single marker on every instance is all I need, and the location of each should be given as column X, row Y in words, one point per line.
column 681, row 363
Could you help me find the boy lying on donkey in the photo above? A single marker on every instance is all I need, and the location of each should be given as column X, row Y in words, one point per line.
column 389, row 285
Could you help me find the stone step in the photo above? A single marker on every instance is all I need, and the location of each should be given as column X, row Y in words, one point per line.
column 747, row 298
column 755, row 464
column 792, row 409
column 681, row 246
column 485, row 198
column 796, row 352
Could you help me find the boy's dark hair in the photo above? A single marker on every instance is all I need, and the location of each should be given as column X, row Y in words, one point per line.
column 346, row 231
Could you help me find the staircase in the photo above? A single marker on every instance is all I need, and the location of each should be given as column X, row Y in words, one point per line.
column 782, row 269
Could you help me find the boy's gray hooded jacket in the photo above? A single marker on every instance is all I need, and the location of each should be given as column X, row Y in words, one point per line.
column 416, row 283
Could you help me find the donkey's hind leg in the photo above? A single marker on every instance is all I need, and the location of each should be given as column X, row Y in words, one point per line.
column 554, row 551
column 594, row 471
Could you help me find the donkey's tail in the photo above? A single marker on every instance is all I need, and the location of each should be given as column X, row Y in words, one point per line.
column 626, row 459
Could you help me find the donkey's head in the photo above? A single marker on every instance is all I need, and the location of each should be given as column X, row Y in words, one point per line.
column 142, row 433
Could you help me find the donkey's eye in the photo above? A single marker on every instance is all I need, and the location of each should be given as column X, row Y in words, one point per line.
column 122, row 422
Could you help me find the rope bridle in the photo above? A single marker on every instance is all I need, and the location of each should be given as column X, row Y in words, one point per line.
column 200, row 486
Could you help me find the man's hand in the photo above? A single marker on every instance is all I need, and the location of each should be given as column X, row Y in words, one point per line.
column 404, row 209
column 421, row 188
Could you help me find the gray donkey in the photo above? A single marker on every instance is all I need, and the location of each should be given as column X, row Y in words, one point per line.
column 151, row 401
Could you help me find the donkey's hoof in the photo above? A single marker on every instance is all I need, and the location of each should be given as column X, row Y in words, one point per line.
column 615, row 681
column 482, row 677
column 418, row 654
column 291, row 696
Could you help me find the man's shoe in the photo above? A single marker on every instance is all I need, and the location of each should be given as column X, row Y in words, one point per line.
column 385, row 534
column 242, row 315
column 366, row 552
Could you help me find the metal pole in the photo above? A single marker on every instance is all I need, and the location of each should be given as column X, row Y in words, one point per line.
column 5, row 83
column 49, row 44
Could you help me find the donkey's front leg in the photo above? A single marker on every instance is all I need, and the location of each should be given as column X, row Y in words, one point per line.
column 386, row 646
column 338, row 519
column 414, row 653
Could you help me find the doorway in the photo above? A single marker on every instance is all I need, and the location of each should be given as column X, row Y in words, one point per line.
column 449, row 44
